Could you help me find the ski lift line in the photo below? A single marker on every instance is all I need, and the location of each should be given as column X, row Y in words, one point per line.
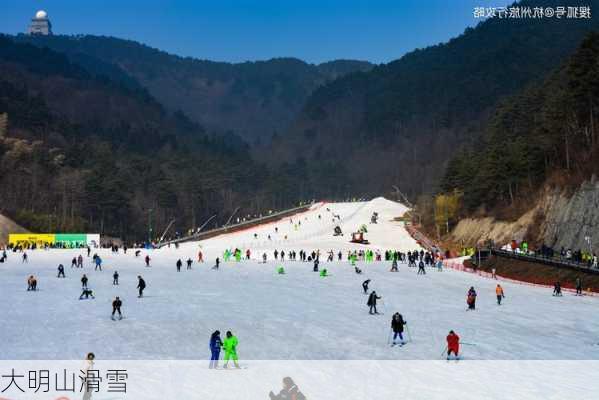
column 250, row 223
column 166, row 230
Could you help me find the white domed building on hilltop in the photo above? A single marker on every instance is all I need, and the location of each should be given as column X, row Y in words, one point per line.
column 40, row 24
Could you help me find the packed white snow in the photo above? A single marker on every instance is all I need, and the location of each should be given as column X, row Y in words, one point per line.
column 296, row 316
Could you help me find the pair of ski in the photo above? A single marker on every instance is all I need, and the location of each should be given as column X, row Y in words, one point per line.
column 400, row 344
column 114, row 319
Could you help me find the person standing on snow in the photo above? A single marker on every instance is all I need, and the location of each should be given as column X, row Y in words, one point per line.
column 217, row 263
column 141, row 285
column 84, row 281
column 471, row 298
column 215, row 346
column 230, row 346
column 189, row 262
column 453, row 344
column 179, row 264
column 116, row 307
column 115, row 278
column 147, row 259
column 421, row 270
column 31, row 283
column 578, row 286
column 397, row 323
column 372, row 302
column 60, row 270
column 499, row 293
column 98, row 264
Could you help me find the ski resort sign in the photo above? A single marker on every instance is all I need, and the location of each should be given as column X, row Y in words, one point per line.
column 66, row 240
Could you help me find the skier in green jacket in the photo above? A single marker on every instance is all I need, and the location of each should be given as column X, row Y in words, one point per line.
column 230, row 346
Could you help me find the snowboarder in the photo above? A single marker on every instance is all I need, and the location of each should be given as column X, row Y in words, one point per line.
column 116, row 307
column 290, row 391
column 372, row 302
column 230, row 346
column 87, row 293
column 397, row 323
column 84, row 281
column 499, row 293
column 453, row 344
column 179, row 264
column 60, row 270
column 365, row 285
column 215, row 346
column 471, row 298
column 115, row 278
column 557, row 289
column 141, row 285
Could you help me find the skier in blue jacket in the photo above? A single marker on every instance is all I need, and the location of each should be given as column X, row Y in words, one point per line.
column 215, row 346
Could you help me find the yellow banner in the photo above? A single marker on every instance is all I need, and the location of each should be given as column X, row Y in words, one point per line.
column 38, row 238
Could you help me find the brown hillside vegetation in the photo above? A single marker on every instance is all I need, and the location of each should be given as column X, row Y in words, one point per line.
column 539, row 273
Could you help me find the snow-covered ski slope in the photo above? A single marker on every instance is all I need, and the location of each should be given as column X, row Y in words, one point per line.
column 296, row 316
column 306, row 230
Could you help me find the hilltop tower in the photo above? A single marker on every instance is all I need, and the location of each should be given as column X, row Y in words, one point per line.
column 40, row 24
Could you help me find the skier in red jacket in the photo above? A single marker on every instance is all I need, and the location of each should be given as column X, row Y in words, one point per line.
column 453, row 344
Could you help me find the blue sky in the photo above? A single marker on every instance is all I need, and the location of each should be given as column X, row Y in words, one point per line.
column 227, row 30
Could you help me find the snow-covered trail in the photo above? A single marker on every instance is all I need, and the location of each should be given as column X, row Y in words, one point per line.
column 294, row 316
column 313, row 230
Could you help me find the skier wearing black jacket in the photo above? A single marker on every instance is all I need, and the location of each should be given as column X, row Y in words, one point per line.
column 397, row 323
column 372, row 302
column 116, row 307
column 141, row 285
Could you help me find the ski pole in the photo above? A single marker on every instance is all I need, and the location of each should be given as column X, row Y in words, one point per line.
column 469, row 344
column 443, row 352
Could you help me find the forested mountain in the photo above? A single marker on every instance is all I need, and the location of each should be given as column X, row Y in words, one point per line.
column 254, row 100
column 86, row 153
column 401, row 122
column 549, row 130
